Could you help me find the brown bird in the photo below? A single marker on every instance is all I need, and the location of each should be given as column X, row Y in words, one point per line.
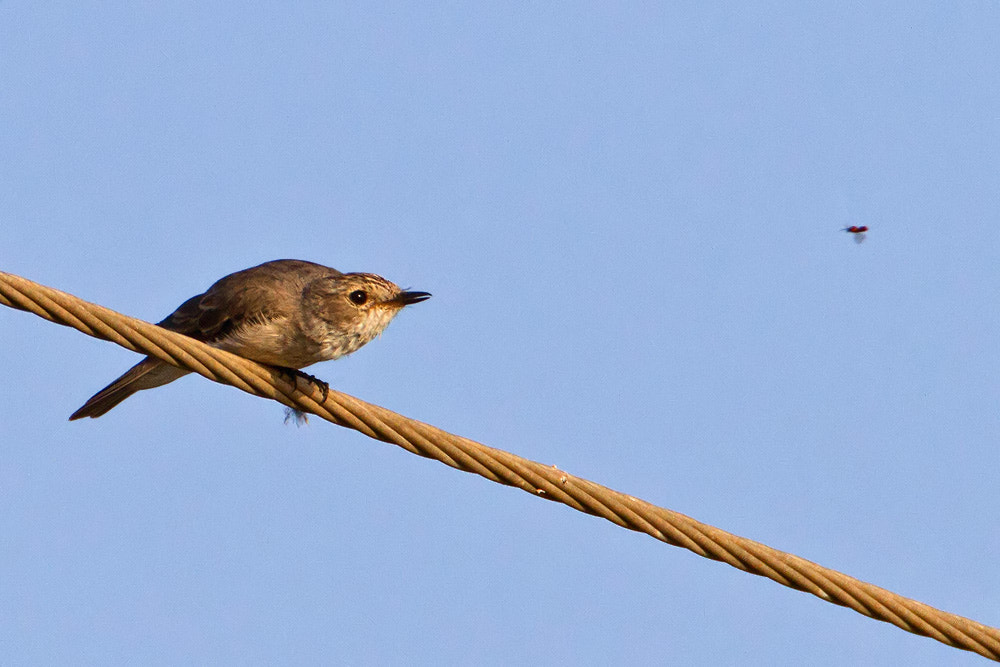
column 286, row 313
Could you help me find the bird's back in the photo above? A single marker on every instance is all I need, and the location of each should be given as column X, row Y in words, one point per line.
column 257, row 295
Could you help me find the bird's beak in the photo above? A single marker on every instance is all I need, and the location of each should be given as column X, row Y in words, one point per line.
column 406, row 298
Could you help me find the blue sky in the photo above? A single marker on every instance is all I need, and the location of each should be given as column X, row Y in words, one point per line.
column 629, row 217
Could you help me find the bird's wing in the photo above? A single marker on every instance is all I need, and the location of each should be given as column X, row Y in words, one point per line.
column 256, row 295
column 208, row 317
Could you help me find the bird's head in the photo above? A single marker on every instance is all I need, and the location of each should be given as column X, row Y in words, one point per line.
column 350, row 309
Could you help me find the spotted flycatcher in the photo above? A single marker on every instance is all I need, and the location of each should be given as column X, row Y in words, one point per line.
column 286, row 313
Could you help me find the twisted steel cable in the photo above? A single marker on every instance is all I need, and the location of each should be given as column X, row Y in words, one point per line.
column 503, row 467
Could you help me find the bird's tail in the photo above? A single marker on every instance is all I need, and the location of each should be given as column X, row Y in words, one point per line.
column 146, row 374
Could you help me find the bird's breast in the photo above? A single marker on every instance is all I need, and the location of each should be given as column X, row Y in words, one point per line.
column 276, row 343
column 346, row 338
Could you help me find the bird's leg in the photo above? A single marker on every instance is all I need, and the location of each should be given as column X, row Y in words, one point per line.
column 294, row 373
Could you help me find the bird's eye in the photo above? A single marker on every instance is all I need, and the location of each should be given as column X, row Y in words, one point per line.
column 358, row 297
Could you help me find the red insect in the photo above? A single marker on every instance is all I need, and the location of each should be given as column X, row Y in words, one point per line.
column 859, row 232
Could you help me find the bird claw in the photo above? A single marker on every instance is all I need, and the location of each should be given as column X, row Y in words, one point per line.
column 293, row 374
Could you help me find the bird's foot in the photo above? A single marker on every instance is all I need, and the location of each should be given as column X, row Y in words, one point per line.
column 293, row 374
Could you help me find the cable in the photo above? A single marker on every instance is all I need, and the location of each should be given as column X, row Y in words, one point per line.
column 503, row 467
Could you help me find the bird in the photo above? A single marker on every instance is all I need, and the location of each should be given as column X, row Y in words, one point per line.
column 860, row 233
column 287, row 313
